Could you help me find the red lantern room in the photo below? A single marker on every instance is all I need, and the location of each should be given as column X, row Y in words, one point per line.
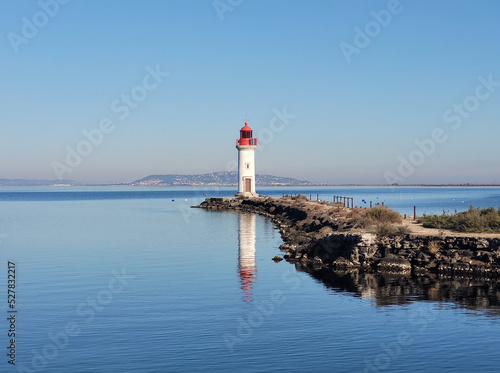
column 246, row 136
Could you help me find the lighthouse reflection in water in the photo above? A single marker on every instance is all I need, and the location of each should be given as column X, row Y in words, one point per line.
column 247, row 268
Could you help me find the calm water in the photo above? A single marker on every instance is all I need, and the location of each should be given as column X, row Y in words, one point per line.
column 133, row 280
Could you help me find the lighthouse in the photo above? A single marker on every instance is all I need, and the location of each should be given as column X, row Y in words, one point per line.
column 246, row 145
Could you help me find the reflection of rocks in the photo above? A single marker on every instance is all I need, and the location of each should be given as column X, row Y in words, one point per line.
column 320, row 234
column 394, row 265
column 387, row 289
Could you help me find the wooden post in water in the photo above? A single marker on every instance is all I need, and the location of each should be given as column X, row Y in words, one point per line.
column 317, row 197
column 414, row 212
column 370, row 204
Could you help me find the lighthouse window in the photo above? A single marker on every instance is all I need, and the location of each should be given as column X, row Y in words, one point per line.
column 247, row 165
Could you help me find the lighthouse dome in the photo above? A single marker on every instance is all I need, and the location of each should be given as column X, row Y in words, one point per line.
column 245, row 135
column 246, row 127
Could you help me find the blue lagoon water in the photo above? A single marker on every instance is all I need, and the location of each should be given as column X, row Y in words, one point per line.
column 133, row 280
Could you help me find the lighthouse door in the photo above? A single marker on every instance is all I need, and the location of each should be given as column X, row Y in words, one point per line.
column 248, row 185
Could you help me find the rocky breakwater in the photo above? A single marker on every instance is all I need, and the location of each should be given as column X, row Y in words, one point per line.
column 321, row 234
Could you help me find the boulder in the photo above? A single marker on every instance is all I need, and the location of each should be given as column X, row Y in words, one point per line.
column 317, row 261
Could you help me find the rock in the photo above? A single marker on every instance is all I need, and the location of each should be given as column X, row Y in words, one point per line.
column 277, row 258
column 325, row 231
column 342, row 263
column 482, row 244
column 432, row 265
column 423, row 257
column 302, row 239
column 288, row 247
column 317, row 261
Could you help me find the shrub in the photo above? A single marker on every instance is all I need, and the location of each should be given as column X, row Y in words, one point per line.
column 403, row 230
column 473, row 220
column 386, row 230
column 300, row 197
column 375, row 216
column 358, row 218
column 391, row 230
column 382, row 214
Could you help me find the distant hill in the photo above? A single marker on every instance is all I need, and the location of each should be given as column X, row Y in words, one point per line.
column 223, row 178
column 27, row 182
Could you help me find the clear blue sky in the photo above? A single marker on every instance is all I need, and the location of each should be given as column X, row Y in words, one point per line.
column 354, row 121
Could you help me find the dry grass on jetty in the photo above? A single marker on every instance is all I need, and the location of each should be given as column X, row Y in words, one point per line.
column 323, row 234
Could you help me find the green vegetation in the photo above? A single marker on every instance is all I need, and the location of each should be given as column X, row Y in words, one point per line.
column 378, row 215
column 382, row 214
column 391, row 230
column 474, row 220
column 384, row 220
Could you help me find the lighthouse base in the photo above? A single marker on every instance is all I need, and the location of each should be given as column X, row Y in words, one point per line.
column 246, row 194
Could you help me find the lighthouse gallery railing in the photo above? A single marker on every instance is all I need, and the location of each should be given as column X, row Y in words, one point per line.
column 250, row 141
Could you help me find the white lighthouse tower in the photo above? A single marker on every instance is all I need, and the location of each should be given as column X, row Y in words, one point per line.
column 246, row 145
